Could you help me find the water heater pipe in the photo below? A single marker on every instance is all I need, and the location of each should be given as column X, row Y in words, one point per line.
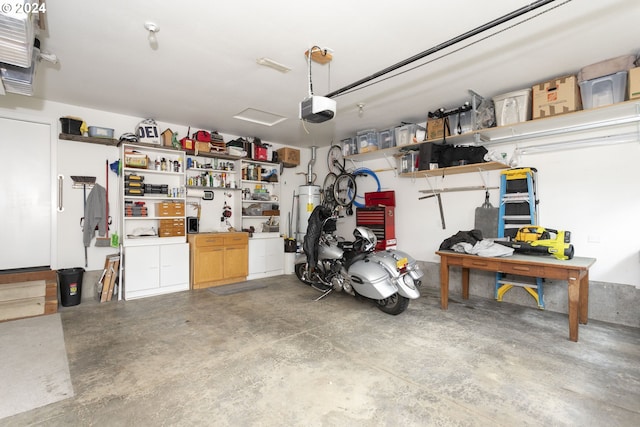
column 310, row 165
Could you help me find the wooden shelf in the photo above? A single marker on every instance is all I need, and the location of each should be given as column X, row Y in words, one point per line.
column 454, row 170
column 213, row 155
column 611, row 117
column 204, row 187
column 91, row 140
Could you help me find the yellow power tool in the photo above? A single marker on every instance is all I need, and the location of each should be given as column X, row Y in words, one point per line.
column 541, row 240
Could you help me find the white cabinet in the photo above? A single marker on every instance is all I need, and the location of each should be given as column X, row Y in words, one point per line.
column 155, row 270
column 152, row 196
column 261, row 196
column 266, row 256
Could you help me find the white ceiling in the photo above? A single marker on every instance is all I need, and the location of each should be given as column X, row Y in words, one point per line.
column 204, row 69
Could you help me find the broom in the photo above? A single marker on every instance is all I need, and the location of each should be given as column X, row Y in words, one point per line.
column 105, row 241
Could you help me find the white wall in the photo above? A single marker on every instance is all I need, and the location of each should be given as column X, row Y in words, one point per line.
column 592, row 192
column 76, row 158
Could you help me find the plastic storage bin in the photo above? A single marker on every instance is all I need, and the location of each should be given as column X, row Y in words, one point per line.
column 70, row 285
column 513, row 107
column 408, row 162
column 404, row 134
column 386, row 139
column 367, row 140
column 349, row 146
column 70, row 126
column 99, row 132
column 604, row 90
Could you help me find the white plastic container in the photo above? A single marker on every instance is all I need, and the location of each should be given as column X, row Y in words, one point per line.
column 100, row 132
column 513, row 107
column 605, row 90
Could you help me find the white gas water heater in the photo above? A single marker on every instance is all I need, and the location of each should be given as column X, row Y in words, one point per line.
column 308, row 199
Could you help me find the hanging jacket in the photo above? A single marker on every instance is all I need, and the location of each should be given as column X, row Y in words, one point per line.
column 95, row 213
column 311, row 240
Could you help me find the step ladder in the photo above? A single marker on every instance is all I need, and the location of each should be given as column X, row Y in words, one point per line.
column 518, row 207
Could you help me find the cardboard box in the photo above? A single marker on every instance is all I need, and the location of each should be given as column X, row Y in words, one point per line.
column 202, row 147
column 437, row 129
column 290, row 157
column 557, row 96
column 634, row 83
column 136, row 161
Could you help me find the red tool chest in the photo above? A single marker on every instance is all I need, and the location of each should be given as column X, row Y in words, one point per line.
column 381, row 220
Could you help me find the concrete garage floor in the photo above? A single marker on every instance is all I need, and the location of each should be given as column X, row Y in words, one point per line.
column 274, row 357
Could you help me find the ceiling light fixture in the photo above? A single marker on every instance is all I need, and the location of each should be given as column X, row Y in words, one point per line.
column 153, row 29
column 268, row 62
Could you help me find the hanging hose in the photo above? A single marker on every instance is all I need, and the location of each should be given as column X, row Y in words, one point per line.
column 364, row 172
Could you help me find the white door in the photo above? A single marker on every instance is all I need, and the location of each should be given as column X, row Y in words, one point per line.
column 274, row 258
column 141, row 269
column 82, row 159
column 257, row 256
column 174, row 265
column 25, row 194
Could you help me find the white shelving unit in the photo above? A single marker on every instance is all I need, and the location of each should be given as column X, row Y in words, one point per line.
column 220, row 174
column 266, row 246
column 211, row 171
column 259, row 197
column 153, row 264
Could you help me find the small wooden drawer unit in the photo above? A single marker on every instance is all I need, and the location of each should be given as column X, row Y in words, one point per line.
column 170, row 209
column 218, row 258
column 171, row 227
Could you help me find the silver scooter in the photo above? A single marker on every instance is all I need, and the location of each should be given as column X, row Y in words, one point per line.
column 390, row 277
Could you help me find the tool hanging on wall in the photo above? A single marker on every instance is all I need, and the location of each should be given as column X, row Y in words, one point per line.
column 105, row 241
column 83, row 182
column 436, row 193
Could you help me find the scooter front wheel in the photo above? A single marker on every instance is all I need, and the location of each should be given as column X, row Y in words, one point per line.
column 394, row 305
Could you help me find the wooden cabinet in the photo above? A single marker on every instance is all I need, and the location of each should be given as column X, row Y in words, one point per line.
column 218, row 259
column 155, row 269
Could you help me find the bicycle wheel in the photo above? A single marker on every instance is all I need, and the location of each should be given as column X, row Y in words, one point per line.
column 344, row 189
column 335, row 160
column 327, row 190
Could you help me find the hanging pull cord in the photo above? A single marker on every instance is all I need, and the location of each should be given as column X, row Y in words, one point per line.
column 487, row 204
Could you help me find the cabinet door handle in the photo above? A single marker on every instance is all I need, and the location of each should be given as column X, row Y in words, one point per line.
column 479, row 263
column 521, row 268
column 60, row 187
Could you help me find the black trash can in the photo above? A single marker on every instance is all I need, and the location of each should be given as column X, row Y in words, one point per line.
column 70, row 285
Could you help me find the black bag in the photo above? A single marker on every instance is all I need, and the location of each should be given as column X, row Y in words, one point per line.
column 449, row 155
